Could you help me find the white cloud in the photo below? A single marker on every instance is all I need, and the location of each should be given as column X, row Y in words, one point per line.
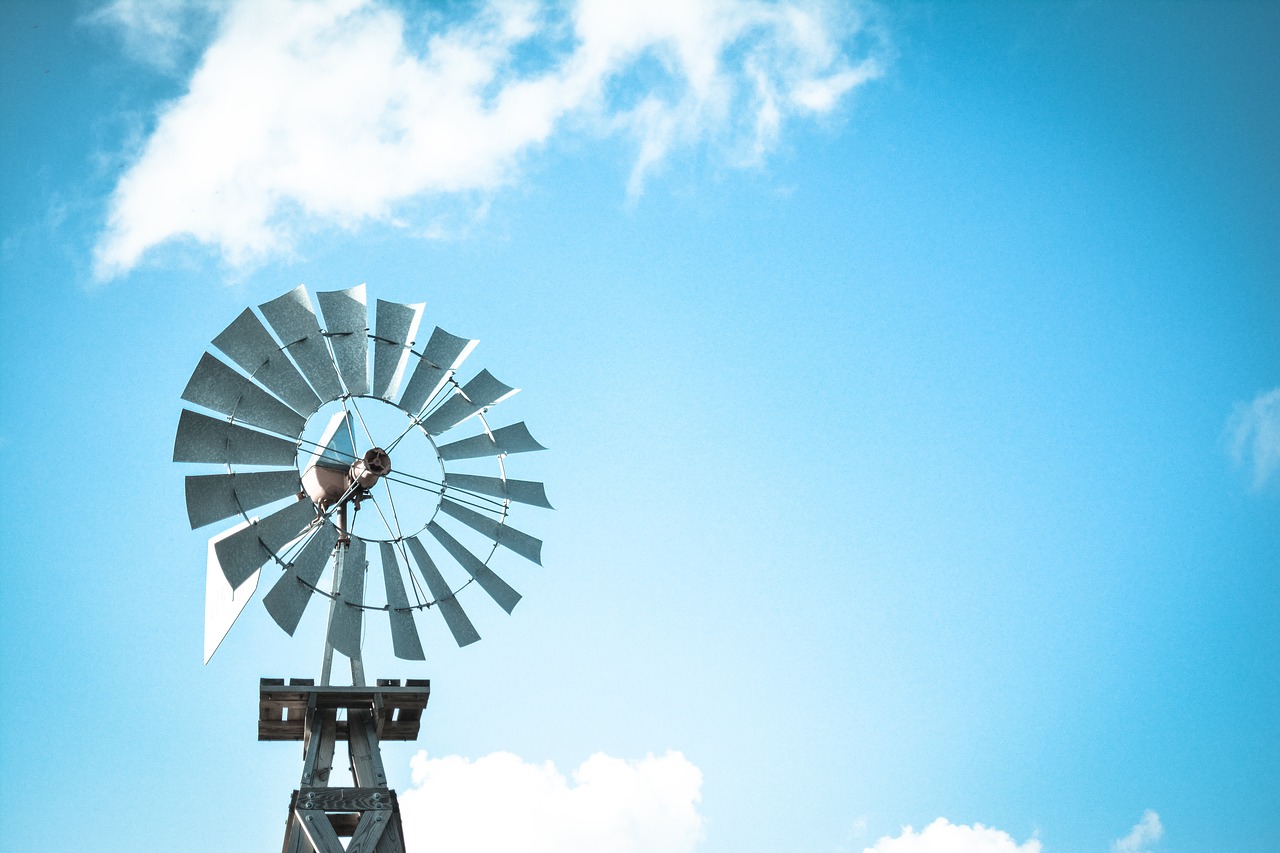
column 1255, row 435
column 157, row 32
column 1145, row 832
column 942, row 836
column 335, row 112
column 501, row 802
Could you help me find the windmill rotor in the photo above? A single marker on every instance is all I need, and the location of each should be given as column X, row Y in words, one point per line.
column 337, row 443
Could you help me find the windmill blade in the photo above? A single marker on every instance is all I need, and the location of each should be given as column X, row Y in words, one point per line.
column 443, row 354
column 242, row 553
column 404, row 633
column 296, row 326
column 489, row 581
column 346, row 325
column 507, row 439
column 213, row 497
column 204, row 439
column 520, row 491
column 216, row 386
column 248, row 343
column 347, row 615
column 474, row 397
column 395, row 326
column 289, row 596
column 464, row 633
column 508, row 537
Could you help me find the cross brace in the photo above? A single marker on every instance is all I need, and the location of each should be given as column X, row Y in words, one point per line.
column 368, row 813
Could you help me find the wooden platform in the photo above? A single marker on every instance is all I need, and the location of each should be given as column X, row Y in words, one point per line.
column 397, row 710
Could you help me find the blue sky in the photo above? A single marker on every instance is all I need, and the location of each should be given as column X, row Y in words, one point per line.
column 909, row 375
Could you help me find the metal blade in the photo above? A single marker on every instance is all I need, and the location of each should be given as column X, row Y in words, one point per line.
column 242, row 553
column 508, row 537
column 521, row 491
column 289, row 596
column 477, row 395
column 204, row 439
column 395, row 327
column 497, row 588
column 214, row 497
column 248, row 343
column 295, row 325
column 346, row 325
column 507, row 439
column 404, row 634
column 222, row 603
column 443, row 354
column 218, row 387
column 464, row 633
column 347, row 615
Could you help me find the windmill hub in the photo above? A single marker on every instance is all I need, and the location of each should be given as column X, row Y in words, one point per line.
column 367, row 470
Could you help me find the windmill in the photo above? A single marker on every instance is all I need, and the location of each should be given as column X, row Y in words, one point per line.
column 322, row 464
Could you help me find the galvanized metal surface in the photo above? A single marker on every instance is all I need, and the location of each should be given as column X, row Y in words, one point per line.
column 216, row 386
column 295, row 324
column 289, row 596
column 347, row 616
column 243, row 553
column 223, row 603
column 506, row 536
column 346, row 322
column 507, row 439
column 213, row 497
column 521, row 491
column 488, row 580
column 481, row 392
column 394, row 328
column 404, row 633
column 248, row 343
column 202, row 438
column 443, row 353
column 464, row 633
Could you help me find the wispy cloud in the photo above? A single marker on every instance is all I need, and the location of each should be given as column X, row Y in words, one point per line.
column 1145, row 832
column 1254, row 432
column 158, row 32
column 313, row 114
column 501, row 802
column 942, row 836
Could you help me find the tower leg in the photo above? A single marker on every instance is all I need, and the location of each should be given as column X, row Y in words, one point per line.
column 368, row 814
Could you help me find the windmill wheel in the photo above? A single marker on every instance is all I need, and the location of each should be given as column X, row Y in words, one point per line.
column 341, row 458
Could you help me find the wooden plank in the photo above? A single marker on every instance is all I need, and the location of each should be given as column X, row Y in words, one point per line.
column 319, row 831
column 283, row 708
column 368, row 832
column 345, row 799
column 366, row 757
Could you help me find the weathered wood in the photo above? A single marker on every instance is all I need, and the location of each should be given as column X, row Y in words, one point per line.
column 317, row 760
column 315, row 824
column 366, row 757
column 345, row 799
column 368, row 813
column 283, row 708
column 368, row 832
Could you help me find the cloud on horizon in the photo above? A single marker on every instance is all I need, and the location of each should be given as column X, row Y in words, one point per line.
column 501, row 802
column 301, row 116
column 942, row 836
column 1254, row 433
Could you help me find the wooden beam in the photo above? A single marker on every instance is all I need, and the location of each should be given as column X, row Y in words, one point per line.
column 319, row 831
